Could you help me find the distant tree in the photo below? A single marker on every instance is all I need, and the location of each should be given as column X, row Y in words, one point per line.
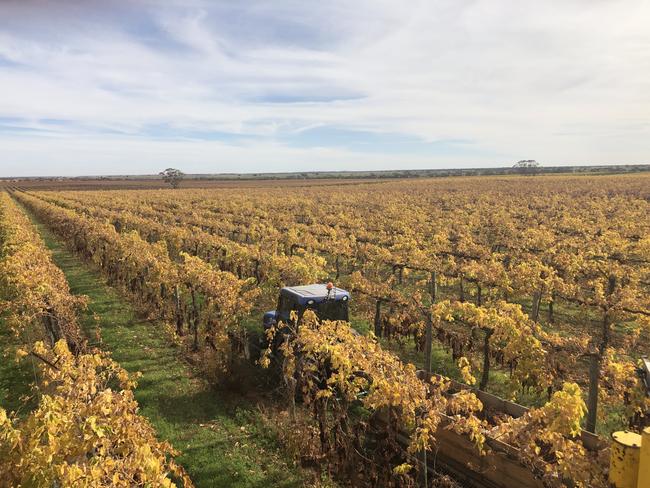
column 527, row 166
column 172, row 176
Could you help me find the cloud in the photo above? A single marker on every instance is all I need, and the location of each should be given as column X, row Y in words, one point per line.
column 122, row 83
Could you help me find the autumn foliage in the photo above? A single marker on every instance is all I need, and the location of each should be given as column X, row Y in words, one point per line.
column 85, row 431
column 529, row 281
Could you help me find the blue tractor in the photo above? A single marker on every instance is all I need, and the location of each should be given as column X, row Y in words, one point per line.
column 326, row 300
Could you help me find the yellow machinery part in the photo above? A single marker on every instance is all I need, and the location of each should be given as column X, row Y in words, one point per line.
column 624, row 460
column 644, row 460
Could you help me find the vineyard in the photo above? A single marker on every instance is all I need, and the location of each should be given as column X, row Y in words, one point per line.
column 529, row 291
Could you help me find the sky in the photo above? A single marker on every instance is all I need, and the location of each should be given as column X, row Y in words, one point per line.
column 133, row 87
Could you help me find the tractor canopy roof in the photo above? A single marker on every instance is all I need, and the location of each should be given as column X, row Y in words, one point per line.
column 317, row 293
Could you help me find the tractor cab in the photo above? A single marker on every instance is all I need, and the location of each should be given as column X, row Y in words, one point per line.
column 326, row 300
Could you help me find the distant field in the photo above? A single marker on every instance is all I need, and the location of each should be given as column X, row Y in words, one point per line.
column 301, row 179
column 152, row 184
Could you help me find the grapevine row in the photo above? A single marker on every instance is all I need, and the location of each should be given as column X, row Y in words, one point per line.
column 85, row 428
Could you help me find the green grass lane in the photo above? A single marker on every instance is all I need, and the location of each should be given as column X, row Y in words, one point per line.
column 221, row 441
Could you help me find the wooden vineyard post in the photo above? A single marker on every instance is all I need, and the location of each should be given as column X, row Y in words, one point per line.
column 378, row 318
column 291, row 384
column 461, row 296
column 596, row 356
column 485, row 373
column 424, row 470
column 592, row 400
column 537, row 303
column 178, row 311
column 428, row 344
column 551, row 318
column 428, row 339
